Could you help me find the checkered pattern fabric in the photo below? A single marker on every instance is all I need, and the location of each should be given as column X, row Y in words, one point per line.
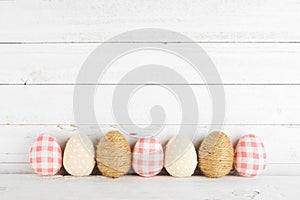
column 45, row 155
column 250, row 156
column 148, row 158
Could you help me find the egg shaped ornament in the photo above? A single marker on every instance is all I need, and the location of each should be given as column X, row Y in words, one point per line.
column 216, row 155
column 250, row 158
column 180, row 156
column 113, row 155
column 148, row 157
column 79, row 156
column 45, row 155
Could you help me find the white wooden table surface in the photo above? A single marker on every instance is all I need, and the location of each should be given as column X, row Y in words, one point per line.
column 160, row 187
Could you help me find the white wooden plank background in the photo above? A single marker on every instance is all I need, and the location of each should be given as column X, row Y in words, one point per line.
column 90, row 21
column 246, row 63
column 255, row 46
column 245, row 104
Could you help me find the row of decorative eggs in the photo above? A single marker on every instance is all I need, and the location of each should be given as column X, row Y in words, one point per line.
column 113, row 156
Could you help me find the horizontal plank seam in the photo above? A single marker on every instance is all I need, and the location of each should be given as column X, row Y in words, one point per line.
column 67, row 124
column 160, row 42
column 112, row 84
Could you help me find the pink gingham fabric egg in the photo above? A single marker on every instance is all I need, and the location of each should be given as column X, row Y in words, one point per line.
column 45, row 155
column 250, row 156
column 148, row 157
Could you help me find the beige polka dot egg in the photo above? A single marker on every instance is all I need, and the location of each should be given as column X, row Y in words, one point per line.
column 79, row 156
column 180, row 156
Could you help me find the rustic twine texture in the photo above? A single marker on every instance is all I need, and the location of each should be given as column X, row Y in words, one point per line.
column 113, row 155
column 216, row 155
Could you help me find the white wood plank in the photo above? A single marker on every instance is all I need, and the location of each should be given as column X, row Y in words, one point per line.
column 281, row 142
column 273, row 169
column 247, row 104
column 15, row 168
column 86, row 21
column 282, row 169
column 159, row 187
column 237, row 63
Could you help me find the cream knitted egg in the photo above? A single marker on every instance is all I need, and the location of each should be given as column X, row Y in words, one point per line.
column 180, row 156
column 79, row 156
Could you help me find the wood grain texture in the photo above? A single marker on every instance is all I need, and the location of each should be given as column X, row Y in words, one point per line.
column 244, row 104
column 236, row 63
column 97, row 21
column 33, row 187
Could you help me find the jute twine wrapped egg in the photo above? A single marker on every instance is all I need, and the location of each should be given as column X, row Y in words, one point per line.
column 180, row 156
column 216, row 155
column 113, row 155
column 79, row 156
